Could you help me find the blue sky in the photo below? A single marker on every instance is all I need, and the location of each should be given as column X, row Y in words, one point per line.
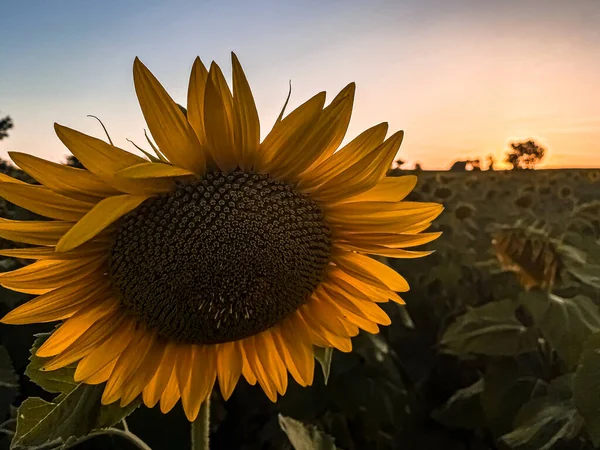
column 461, row 77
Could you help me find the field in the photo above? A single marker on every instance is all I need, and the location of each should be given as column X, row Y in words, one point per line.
column 480, row 357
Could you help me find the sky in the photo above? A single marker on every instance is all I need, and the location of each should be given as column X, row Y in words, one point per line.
column 462, row 78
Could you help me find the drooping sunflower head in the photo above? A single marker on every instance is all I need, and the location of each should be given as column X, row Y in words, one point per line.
column 221, row 256
column 530, row 253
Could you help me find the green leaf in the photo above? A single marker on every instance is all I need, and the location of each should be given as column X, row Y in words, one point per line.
column 324, row 355
column 55, row 381
column 8, row 377
column 74, row 414
column 545, row 421
column 305, row 437
column 9, row 382
column 505, row 392
column 587, row 387
column 491, row 329
column 566, row 323
column 463, row 409
column 588, row 274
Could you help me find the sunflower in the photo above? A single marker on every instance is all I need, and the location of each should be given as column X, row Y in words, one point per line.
column 220, row 257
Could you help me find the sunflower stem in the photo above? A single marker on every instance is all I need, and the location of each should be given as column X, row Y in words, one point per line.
column 201, row 427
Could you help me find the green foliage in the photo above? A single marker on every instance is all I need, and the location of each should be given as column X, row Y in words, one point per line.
column 324, row 355
column 9, row 382
column 544, row 422
column 305, row 437
column 463, row 409
column 566, row 323
column 491, row 329
column 587, row 387
column 75, row 412
column 71, row 415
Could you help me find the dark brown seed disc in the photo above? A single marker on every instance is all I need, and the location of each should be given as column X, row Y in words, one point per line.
column 220, row 259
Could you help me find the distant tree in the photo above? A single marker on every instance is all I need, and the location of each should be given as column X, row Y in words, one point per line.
column 459, row 166
column 490, row 161
column 399, row 163
column 525, row 155
column 475, row 164
column 418, row 167
column 74, row 162
column 5, row 124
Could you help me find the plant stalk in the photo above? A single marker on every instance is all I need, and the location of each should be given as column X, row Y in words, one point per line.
column 201, row 427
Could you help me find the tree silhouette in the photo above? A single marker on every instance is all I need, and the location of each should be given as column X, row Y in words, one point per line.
column 74, row 162
column 5, row 124
column 525, row 155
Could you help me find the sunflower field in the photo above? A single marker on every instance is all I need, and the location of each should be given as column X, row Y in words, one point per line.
column 497, row 347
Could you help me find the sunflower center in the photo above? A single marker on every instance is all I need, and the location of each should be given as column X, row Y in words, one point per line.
column 220, row 259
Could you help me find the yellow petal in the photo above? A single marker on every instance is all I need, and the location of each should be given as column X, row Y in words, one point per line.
column 345, row 98
column 245, row 117
column 38, row 253
column 373, row 249
column 380, row 209
column 74, row 327
column 78, row 184
column 283, row 139
column 170, row 395
column 358, row 304
column 218, row 120
column 390, row 189
column 100, row 216
column 344, row 158
column 393, row 240
column 89, row 340
column 172, row 132
column 154, row 170
column 351, row 315
column 285, row 354
column 387, row 222
column 229, row 367
column 43, row 201
column 202, row 380
column 57, row 304
column 328, row 133
column 265, row 381
column 139, row 379
column 370, row 271
column 362, row 175
column 105, row 160
column 321, row 335
column 374, row 293
column 195, row 99
column 270, row 360
column 109, row 351
column 183, row 365
column 297, row 341
column 127, row 365
column 300, row 326
column 44, row 232
column 154, row 390
column 47, row 274
column 102, row 375
column 313, row 312
column 6, row 179
column 246, row 369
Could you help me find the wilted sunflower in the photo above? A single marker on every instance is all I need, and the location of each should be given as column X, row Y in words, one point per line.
column 223, row 256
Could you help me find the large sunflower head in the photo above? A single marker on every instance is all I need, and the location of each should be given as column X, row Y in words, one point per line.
column 222, row 256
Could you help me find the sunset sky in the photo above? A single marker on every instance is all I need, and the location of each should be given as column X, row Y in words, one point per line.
column 461, row 77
